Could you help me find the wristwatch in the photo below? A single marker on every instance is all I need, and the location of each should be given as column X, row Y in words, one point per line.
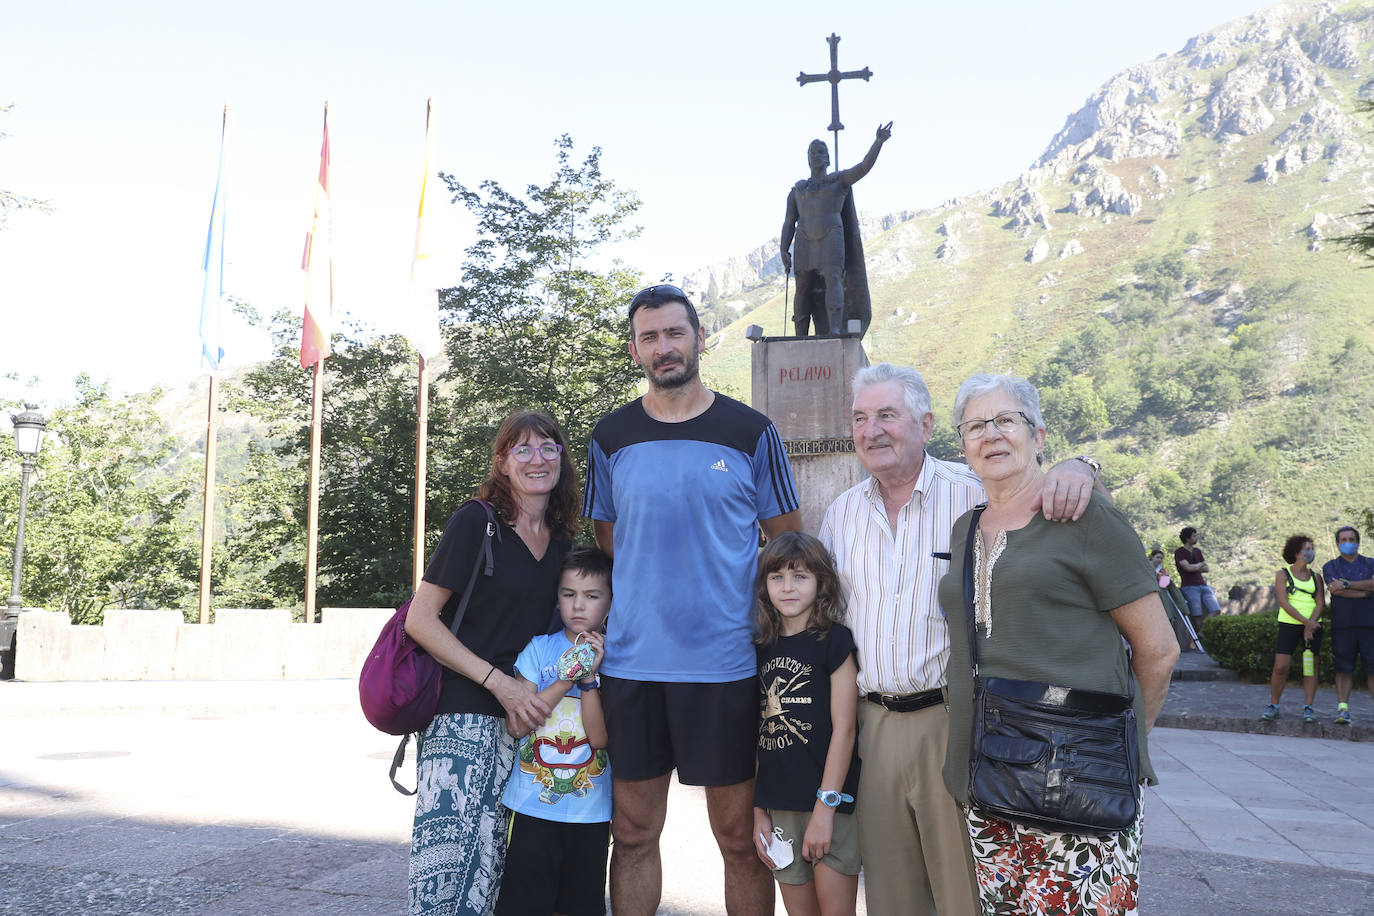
column 593, row 684
column 831, row 799
column 1090, row 462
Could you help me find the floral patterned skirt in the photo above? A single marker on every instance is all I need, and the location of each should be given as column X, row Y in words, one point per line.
column 458, row 846
column 1024, row 870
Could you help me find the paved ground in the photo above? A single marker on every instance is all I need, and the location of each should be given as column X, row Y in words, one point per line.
column 272, row 798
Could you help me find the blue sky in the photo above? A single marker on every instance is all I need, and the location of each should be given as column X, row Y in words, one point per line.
column 696, row 107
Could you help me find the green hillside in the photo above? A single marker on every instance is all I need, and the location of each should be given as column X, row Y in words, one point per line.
column 1210, row 343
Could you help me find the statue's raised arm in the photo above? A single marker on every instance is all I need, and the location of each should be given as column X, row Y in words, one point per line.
column 883, row 134
column 821, row 229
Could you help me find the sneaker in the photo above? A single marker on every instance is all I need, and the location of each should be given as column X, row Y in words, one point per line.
column 1309, row 714
column 1271, row 712
column 1343, row 715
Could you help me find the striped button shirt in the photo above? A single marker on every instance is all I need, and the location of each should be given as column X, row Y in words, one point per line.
column 891, row 578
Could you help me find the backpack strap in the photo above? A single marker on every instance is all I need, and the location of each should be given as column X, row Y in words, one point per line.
column 1292, row 586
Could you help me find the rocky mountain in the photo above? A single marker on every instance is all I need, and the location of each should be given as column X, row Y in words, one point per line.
column 1164, row 273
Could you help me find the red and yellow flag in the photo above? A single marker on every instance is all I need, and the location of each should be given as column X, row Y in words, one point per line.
column 317, row 262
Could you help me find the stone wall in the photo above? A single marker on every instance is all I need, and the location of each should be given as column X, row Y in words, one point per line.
column 240, row 645
column 1248, row 599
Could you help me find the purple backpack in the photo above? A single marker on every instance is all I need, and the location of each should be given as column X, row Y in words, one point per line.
column 400, row 681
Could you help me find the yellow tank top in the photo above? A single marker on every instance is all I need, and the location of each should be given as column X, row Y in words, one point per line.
column 1303, row 597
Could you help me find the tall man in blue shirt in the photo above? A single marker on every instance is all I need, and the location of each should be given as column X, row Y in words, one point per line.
column 679, row 482
column 1350, row 580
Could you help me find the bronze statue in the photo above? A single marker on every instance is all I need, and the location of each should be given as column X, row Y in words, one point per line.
column 832, row 283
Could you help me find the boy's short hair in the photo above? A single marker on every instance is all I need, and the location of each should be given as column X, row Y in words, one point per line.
column 1186, row 533
column 588, row 561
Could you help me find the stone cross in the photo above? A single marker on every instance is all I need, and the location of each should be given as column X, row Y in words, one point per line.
column 834, row 77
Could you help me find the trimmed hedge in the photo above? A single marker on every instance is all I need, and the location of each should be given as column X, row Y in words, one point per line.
column 1245, row 644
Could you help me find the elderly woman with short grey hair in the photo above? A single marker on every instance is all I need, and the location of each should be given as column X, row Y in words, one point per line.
column 1051, row 604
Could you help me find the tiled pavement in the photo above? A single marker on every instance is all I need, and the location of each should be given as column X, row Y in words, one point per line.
column 272, row 798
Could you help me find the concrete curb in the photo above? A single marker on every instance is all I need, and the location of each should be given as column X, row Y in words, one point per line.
column 1292, row 728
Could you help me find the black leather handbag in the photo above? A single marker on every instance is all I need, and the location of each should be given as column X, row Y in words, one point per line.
column 1057, row 758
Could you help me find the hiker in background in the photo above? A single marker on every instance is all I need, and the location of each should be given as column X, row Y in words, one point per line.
column 1191, row 565
column 1350, row 577
column 1301, row 602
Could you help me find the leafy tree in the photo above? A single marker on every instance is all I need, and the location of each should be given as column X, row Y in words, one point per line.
column 533, row 324
column 367, row 467
column 1076, row 408
column 107, row 525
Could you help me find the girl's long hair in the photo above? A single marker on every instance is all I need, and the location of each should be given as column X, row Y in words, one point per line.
column 797, row 550
column 564, row 509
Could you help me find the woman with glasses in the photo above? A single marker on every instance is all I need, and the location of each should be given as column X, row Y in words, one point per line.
column 1052, row 603
column 466, row 755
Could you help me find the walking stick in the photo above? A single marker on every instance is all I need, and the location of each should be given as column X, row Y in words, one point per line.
column 786, row 282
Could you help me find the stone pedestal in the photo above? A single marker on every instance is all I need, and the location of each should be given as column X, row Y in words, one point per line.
column 804, row 385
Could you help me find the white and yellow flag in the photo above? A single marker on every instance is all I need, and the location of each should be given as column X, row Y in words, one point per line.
column 421, row 322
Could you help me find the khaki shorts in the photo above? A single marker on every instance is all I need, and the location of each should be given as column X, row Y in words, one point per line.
column 843, row 856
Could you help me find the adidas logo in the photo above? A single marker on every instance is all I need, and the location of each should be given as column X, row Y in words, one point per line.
column 720, row 466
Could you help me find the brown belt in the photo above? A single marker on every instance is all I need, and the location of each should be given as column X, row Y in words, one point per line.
column 907, row 702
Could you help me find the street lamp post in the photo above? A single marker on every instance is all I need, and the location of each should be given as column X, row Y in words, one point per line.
column 28, row 439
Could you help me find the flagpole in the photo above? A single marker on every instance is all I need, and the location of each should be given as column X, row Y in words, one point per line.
column 420, row 276
column 312, row 524
column 207, row 519
column 421, row 467
column 316, row 330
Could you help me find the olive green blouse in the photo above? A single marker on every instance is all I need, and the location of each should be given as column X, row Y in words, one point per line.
column 1052, row 587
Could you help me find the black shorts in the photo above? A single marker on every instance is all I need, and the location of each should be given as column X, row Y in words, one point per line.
column 1346, row 642
column 708, row 732
column 553, row 867
column 1290, row 639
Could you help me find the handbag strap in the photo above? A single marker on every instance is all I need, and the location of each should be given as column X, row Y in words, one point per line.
column 483, row 561
column 968, row 588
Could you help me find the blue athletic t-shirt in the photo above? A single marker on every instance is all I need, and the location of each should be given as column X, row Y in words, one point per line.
column 558, row 775
column 685, row 499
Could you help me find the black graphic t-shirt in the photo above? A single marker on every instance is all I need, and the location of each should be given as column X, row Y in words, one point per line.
column 794, row 724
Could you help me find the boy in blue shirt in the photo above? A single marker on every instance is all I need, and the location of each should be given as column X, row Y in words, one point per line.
column 560, row 793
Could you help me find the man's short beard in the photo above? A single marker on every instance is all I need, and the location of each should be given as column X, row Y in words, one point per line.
column 684, row 376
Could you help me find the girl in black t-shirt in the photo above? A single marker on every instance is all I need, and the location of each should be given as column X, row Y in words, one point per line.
column 808, row 772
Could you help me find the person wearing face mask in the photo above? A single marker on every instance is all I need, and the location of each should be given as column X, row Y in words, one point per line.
column 1302, row 599
column 1351, row 580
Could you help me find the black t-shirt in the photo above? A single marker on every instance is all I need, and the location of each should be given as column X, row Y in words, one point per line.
column 794, row 724
column 506, row 610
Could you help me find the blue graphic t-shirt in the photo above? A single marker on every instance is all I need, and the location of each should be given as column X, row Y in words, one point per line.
column 685, row 499
column 559, row 776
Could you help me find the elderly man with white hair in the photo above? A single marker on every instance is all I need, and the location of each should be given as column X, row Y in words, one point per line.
column 890, row 535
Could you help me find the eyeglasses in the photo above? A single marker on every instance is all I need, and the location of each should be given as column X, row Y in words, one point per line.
column 524, row 454
column 1004, row 422
column 654, row 296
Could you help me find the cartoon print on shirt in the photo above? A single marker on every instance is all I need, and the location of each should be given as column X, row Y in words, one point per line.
column 782, row 679
column 559, row 757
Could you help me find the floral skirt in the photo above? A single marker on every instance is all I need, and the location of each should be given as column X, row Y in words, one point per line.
column 458, row 847
column 1024, row 870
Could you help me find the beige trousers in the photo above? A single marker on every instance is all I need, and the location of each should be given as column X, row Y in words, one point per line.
column 913, row 837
